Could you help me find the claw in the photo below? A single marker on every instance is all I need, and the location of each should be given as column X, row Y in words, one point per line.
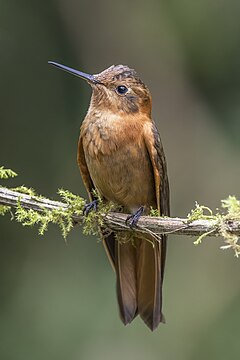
column 92, row 206
column 132, row 219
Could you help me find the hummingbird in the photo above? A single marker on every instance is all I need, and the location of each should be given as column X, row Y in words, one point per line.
column 121, row 157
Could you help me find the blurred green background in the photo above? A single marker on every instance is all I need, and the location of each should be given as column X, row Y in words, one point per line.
column 58, row 300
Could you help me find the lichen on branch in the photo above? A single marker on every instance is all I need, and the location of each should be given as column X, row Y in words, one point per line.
column 32, row 209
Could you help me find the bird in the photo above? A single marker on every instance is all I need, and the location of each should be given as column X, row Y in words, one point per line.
column 121, row 157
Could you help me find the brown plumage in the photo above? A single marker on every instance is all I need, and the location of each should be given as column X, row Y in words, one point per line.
column 121, row 156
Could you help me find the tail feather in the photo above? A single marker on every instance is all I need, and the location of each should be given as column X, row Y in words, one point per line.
column 149, row 279
column 139, row 271
column 125, row 266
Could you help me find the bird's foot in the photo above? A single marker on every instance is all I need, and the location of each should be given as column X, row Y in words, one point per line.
column 92, row 206
column 132, row 220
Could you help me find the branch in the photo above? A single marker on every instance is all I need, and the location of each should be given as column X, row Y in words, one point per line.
column 31, row 209
column 117, row 221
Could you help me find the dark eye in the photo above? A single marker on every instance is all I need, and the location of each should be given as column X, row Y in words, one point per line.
column 121, row 89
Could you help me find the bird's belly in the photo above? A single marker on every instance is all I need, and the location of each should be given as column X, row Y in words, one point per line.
column 124, row 177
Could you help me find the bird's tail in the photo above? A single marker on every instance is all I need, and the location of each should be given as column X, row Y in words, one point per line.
column 139, row 269
column 126, row 280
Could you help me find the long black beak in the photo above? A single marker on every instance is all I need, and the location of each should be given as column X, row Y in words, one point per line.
column 89, row 78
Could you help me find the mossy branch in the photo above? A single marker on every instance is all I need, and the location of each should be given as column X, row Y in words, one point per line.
column 31, row 209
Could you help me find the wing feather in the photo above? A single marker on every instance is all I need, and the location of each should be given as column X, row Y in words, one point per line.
column 151, row 256
column 109, row 240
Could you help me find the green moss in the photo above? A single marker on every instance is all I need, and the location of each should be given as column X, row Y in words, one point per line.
column 199, row 213
column 6, row 173
column 95, row 219
column 201, row 237
column 30, row 217
column 154, row 212
column 231, row 206
column 24, row 190
column 4, row 209
column 64, row 217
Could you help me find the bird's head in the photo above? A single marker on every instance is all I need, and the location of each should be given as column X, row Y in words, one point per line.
column 118, row 88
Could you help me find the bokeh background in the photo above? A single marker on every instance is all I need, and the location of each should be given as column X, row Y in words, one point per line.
column 58, row 300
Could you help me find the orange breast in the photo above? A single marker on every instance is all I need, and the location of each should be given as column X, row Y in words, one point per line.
column 118, row 161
